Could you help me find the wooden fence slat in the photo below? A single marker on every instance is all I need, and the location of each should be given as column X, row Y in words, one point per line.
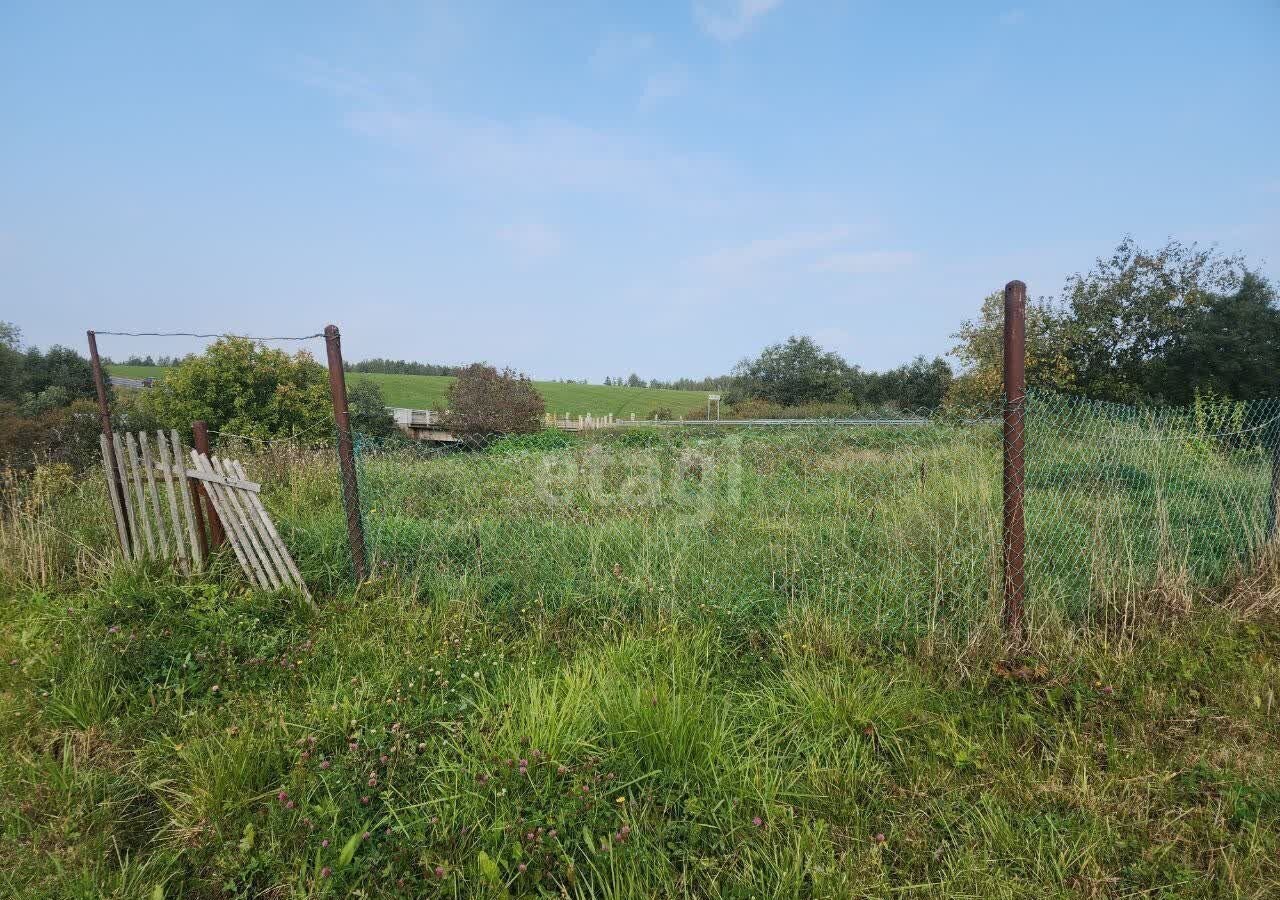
column 238, row 483
column 273, row 535
column 239, row 542
column 255, row 515
column 135, row 540
column 141, row 497
column 115, row 497
column 162, row 536
column 173, row 485
column 158, row 486
column 223, row 509
column 195, row 522
column 248, row 528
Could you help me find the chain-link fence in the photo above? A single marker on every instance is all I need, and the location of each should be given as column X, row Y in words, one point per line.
column 895, row 521
column 1123, row 500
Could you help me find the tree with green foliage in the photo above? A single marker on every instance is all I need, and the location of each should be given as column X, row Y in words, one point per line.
column 1130, row 311
column 919, row 385
column 11, row 362
column 36, row 380
column 980, row 349
column 1230, row 347
column 242, row 387
column 485, row 401
column 60, row 369
column 793, row 373
column 369, row 414
column 1142, row 326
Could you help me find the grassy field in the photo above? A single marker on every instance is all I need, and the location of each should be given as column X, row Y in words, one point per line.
column 662, row 665
column 429, row 391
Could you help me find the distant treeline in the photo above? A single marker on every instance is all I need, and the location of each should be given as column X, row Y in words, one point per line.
column 798, row 372
column 708, row 383
column 380, row 366
column 135, row 360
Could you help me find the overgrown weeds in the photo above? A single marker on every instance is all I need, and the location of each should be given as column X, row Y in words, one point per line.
column 217, row 742
column 796, row 690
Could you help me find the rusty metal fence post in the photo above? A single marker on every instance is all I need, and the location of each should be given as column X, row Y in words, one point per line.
column 346, row 451
column 104, row 415
column 200, row 440
column 1015, row 403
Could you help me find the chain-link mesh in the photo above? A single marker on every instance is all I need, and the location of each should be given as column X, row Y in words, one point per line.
column 1123, row 500
column 897, row 522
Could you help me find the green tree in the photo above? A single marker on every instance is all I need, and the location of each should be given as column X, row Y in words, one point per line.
column 11, row 362
column 1231, row 347
column 59, row 368
column 37, row 381
column 368, row 409
column 793, row 373
column 242, row 387
column 980, row 349
column 484, row 401
column 919, row 385
column 1131, row 310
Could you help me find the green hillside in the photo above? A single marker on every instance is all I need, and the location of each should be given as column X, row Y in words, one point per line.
column 428, row 391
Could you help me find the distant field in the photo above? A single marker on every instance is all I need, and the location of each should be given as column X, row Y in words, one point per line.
column 428, row 391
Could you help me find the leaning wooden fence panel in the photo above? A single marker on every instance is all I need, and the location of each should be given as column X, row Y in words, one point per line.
column 152, row 512
column 155, row 517
column 262, row 554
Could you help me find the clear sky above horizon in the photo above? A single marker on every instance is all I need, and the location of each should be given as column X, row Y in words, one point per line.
column 590, row 189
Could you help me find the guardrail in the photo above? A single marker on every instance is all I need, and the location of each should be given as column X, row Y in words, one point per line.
column 135, row 383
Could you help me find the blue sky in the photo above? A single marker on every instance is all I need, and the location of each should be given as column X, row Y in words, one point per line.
column 582, row 190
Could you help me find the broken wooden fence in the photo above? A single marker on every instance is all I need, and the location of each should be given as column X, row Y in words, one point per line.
column 158, row 516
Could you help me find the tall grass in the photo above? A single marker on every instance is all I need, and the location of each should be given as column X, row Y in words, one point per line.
column 664, row 664
column 897, row 529
column 52, row 526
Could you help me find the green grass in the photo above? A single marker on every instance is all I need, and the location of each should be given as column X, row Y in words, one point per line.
column 150, row 729
column 897, row 528
column 772, row 661
column 429, row 392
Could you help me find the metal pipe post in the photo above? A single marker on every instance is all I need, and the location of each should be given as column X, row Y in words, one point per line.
column 104, row 415
column 200, row 440
column 346, row 451
column 1015, row 408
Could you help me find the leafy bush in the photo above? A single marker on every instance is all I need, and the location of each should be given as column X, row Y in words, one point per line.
column 369, row 414
column 485, row 401
column 245, row 388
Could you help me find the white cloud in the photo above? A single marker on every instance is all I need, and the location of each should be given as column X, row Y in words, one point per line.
column 728, row 20
column 535, row 154
column 1012, row 17
column 747, row 258
column 663, row 86
column 865, row 262
column 531, row 241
